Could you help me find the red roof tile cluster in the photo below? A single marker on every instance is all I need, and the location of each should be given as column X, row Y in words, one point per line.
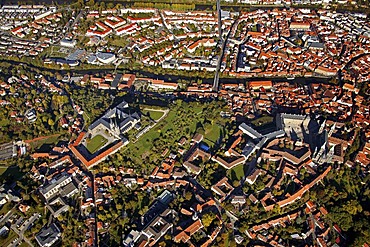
column 96, row 159
column 185, row 235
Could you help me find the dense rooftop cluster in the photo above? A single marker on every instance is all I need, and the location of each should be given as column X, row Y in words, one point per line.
column 295, row 42
column 278, row 154
column 273, row 43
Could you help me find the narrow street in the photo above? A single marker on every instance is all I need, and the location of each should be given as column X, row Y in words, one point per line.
column 20, row 231
column 6, row 217
column 69, row 24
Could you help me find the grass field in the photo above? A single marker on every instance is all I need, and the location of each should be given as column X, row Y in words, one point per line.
column 212, row 134
column 262, row 120
column 198, row 109
column 6, row 208
column 145, row 142
column 121, row 42
column 155, row 115
column 51, row 140
column 12, row 171
column 236, row 173
column 4, row 122
column 2, row 170
column 95, row 143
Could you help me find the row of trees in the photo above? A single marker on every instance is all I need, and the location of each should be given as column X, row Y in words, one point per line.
column 172, row 6
column 110, row 5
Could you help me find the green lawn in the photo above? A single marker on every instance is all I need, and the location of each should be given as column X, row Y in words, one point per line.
column 155, row 115
column 254, row 28
column 23, row 244
column 58, row 54
column 198, row 109
column 6, row 241
column 95, row 143
column 51, row 140
column 212, row 134
column 6, row 208
column 2, row 170
column 145, row 142
column 263, row 120
column 12, row 171
column 236, row 173
column 120, row 42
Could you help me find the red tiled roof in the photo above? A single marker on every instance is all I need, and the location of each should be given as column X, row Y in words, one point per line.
column 258, row 84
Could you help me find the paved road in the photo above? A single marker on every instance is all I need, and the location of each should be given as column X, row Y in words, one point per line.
column 216, row 79
column 223, row 42
column 164, row 21
column 69, row 24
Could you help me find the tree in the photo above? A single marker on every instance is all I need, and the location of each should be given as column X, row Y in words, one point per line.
column 236, row 183
column 353, row 207
column 207, row 219
column 102, row 6
column 188, row 195
column 90, row 3
column 50, row 122
column 119, row 206
column 110, row 5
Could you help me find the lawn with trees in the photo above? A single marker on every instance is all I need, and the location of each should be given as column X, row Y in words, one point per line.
column 183, row 119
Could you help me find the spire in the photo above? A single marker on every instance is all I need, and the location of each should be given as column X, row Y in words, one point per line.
column 332, row 129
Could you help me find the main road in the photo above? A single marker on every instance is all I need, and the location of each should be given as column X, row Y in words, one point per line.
column 223, row 42
column 216, row 80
